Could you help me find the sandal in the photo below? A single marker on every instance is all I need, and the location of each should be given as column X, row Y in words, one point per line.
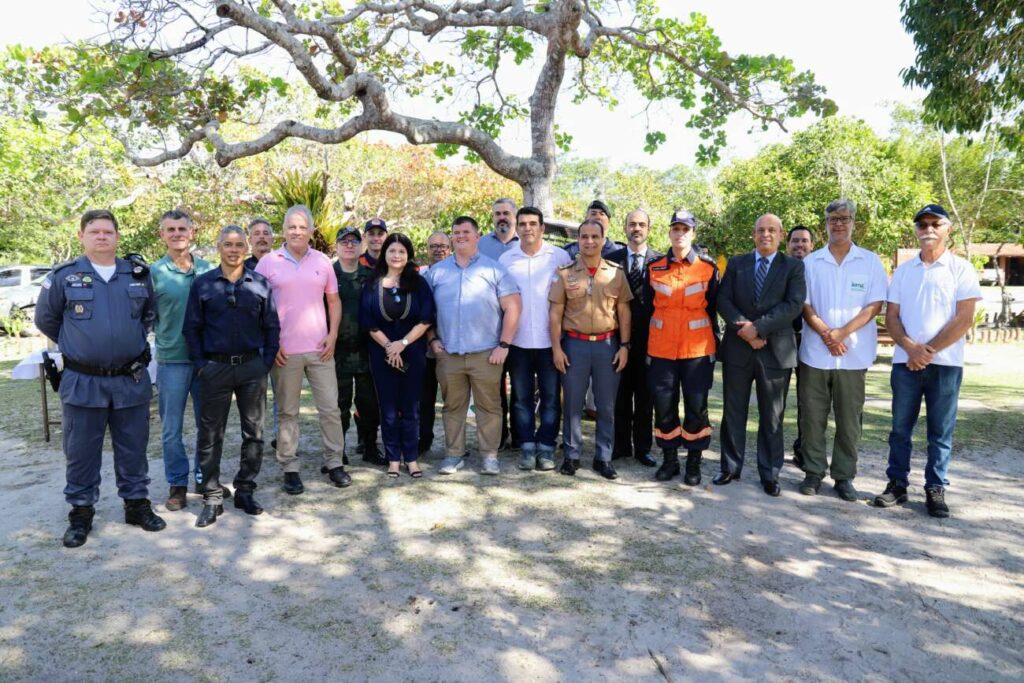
column 418, row 474
column 392, row 474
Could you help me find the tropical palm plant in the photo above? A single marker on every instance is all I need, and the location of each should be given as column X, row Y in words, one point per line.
column 293, row 188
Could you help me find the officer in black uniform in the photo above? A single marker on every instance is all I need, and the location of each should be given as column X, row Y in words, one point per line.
column 98, row 309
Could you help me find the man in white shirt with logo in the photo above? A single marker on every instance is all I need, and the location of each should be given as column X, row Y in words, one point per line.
column 533, row 264
column 930, row 308
column 846, row 286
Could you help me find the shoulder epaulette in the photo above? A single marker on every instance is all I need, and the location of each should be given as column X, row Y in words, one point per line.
column 707, row 259
column 62, row 264
column 567, row 266
column 613, row 264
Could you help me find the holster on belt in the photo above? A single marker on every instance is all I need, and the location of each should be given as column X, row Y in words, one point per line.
column 52, row 373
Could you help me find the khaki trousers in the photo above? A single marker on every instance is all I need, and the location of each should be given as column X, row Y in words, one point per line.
column 288, row 392
column 459, row 375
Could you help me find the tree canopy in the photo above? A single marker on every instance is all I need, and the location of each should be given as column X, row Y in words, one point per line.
column 971, row 60
column 173, row 73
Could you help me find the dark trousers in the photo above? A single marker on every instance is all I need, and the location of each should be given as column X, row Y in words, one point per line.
column 633, row 407
column 532, row 369
column 84, row 429
column 589, row 363
column 772, row 385
column 367, row 410
column 692, row 377
column 508, row 397
column 219, row 382
column 398, row 394
column 428, row 405
column 798, row 451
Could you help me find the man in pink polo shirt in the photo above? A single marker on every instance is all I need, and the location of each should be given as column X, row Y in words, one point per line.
column 300, row 278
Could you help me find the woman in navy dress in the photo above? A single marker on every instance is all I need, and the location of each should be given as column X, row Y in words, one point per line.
column 397, row 308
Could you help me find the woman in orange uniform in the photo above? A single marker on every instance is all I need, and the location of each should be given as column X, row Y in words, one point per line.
column 681, row 350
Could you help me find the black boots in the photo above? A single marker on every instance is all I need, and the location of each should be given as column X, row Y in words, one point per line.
column 669, row 465
column 79, row 525
column 209, row 515
column 692, row 475
column 140, row 513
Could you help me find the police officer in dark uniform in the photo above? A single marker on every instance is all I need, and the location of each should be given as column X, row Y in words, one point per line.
column 598, row 211
column 351, row 353
column 98, row 309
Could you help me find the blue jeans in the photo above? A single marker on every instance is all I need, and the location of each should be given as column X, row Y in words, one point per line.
column 940, row 387
column 529, row 368
column 175, row 382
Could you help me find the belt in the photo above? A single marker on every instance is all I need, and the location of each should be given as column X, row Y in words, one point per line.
column 140, row 361
column 232, row 359
column 591, row 337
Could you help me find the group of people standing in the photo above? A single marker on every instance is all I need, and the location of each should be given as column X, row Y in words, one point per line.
column 622, row 327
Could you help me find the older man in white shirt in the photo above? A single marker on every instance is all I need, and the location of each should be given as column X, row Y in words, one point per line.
column 846, row 286
column 533, row 264
column 930, row 307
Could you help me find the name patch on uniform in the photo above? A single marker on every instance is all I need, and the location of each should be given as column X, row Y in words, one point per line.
column 659, row 267
column 858, row 286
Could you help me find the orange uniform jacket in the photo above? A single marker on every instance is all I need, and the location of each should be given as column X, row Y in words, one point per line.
column 684, row 323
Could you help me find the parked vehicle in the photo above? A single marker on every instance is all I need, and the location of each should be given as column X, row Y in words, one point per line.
column 19, row 289
column 989, row 275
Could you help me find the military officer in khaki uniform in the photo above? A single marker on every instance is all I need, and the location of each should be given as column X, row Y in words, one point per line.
column 590, row 330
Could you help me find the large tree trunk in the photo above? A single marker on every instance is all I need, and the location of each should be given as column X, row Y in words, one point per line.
column 537, row 192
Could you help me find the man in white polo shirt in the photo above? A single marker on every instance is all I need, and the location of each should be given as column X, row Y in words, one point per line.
column 930, row 308
column 845, row 290
column 533, row 263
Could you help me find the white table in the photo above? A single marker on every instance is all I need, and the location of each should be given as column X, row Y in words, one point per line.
column 31, row 367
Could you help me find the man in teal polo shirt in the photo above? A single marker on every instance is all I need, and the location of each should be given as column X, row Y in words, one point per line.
column 173, row 276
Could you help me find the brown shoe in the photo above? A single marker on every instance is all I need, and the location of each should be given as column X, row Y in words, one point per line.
column 176, row 499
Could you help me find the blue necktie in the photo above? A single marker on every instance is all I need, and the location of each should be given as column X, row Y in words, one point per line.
column 759, row 276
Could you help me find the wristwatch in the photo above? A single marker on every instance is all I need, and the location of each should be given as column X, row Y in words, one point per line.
column 405, row 342
column 626, row 345
column 503, row 345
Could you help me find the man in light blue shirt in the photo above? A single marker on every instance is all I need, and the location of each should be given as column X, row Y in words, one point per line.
column 504, row 236
column 478, row 307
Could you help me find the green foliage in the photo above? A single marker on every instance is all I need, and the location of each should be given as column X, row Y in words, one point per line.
column 837, row 157
column 969, row 59
column 983, row 174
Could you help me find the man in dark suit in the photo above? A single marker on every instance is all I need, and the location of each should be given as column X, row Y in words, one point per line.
column 759, row 297
column 633, row 406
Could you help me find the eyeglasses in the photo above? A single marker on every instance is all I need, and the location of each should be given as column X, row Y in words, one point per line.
column 840, row 220
column 394, row 293
column 439, row 247
column 349, row 243
column 230, row 291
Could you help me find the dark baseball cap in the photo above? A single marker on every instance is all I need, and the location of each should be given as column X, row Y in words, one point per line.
column 350, row 230
column 683, row 216
column 598, row 204
column 933, row 209
column 375, row 224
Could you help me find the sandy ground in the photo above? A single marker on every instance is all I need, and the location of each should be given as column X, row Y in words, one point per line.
column 523, row 577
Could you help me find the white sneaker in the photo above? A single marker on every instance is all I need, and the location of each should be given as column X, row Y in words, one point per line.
column 450, row 465
column 490, row 466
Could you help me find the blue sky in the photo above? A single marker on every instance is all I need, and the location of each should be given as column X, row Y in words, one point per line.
column 856, row 49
